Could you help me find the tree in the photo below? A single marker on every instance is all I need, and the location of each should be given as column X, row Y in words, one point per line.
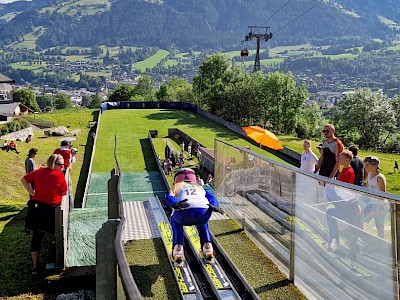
column 283, row 100
column 62, row 101
column 26, row 97
column 121, row 93
column 46, row 102
column 211, row 72
column 145, row 88
column 162, row 93
column 310, row 122
column 95, row 102
column 364, row 117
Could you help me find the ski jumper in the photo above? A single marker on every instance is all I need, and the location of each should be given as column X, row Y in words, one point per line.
column 197, row 213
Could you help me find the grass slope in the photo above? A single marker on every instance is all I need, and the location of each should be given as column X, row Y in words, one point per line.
column 131, row 128
column 15, row 266
column 152, row 61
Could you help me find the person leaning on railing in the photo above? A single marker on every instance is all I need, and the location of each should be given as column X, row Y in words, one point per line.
column 50, row 187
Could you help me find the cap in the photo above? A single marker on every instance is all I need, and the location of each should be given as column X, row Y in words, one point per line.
column 185, row 174
column 66, row 143
column 373, row 160
column 74, row 150
column 319, row 146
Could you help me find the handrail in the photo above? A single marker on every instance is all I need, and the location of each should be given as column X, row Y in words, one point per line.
column 129, row 285
column 91, row 161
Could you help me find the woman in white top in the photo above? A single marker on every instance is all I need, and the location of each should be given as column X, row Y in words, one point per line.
column 375, row 181
column 308, row 159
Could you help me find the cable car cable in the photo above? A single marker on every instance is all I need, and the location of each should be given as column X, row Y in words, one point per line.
column 298, row 17
column 276, row 12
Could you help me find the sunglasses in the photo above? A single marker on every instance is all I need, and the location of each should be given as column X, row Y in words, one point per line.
column 58, row 164
column 325, row 131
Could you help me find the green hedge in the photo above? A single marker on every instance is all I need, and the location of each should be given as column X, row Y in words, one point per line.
column 14, row 125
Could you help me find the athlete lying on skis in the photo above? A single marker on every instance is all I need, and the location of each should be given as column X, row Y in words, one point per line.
column 192, row 206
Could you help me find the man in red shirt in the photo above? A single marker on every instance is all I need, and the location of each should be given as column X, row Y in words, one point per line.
column 65, row 152
column 347, row 174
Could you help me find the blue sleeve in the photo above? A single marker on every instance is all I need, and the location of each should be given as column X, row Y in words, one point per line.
column 212, row 199
column 170, row 200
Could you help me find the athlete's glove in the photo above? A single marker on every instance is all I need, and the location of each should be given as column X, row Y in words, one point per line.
column 181, row 204
column 216, row 209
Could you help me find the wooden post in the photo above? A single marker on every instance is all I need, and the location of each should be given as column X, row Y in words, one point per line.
column 113, row 203
column 106, row 262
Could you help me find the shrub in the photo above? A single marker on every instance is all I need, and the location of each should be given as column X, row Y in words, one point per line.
column 14, row 125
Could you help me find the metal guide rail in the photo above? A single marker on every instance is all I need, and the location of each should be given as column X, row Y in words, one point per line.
column 183, row 275
column 219, row 284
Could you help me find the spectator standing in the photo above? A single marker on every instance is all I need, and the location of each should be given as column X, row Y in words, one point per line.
column 199, row 181
column 308, row 159
column 396, row 167
column 13, row 147
column 182, row 146
column 29, row 162
column 328, row 164
column 50, row 186
column 210, row 180
column 376, row 181
column 74, row 151
column 190, row 149
column 65, row 152
column 358, row 166
column 347, row 174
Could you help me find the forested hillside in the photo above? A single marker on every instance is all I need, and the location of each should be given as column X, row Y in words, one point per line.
column 196, row 24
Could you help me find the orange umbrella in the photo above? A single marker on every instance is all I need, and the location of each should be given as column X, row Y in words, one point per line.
column 263, row 137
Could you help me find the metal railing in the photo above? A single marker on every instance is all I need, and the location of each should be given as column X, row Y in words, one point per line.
column 114, row 278
column 333, row 240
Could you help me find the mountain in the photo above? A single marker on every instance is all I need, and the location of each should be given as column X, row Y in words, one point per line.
column 196, row 24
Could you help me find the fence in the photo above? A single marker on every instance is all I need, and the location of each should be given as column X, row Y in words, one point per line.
column 334, row 240
column 40, row 123
column 62, row 223
column 114, row 278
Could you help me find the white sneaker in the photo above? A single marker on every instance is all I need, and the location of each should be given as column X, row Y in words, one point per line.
column 208, row 253
column 177, row 255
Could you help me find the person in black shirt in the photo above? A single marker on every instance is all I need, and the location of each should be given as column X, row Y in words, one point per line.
column 357, row 164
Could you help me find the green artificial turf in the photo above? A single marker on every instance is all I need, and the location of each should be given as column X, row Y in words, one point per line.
column 151, row 269
column 261, row 273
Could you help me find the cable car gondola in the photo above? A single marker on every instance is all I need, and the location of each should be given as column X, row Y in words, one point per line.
column 244, row 52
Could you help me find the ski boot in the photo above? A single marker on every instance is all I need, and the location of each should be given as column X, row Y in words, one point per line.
column 208, row 253
column 177, row 255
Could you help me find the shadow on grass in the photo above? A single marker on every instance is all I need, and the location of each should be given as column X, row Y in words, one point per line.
column 15, row 263
column 83, row 175
column 149, row 159
column 194, row 121
column 272, row 286
column 197, row 121
column 228, row 233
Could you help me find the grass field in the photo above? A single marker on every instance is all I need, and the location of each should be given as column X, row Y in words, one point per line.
column 27, row 66
column 152, row 61
column 29, row 39
column 131, row 128
column 15, row 280
column 171, row 63
column 386, row 160
column 265, row 62
column 8, row 17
